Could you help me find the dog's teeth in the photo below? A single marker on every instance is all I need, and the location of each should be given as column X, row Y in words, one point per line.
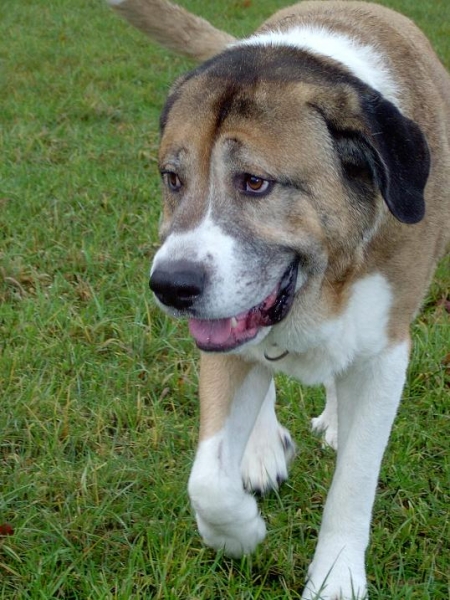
column 233, row 323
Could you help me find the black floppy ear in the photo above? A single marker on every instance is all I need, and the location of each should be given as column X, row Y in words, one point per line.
column 401, row 159
column 375, row 141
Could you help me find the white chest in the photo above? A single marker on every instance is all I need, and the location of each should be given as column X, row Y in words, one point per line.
column 320, row 348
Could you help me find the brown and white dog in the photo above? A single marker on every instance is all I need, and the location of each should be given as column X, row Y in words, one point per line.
column 306, row 176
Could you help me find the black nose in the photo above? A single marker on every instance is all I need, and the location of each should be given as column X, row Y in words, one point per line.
column 178, row 284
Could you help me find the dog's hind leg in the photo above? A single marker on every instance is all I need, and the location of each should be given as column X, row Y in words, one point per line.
column 327, row 422
column 269, row 450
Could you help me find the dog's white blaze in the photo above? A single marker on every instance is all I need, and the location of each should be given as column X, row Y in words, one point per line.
column 219, row 253
column 206, row 243
column 365, row 62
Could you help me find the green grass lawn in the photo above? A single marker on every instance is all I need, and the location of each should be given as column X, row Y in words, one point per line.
column 99, row 412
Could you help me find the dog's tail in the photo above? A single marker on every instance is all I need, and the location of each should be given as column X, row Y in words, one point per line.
column 174, row 27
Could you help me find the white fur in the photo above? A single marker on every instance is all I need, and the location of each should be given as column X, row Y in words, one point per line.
column 206, row 244
column 365, row 62
column 368, row 395
column 234, row 280
column 327, row 421
column 228, row 517
column 368, row 374
column 319, row 349
column 269, row 450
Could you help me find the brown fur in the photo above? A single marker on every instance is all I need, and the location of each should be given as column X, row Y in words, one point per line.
column 344, row 172
column 217, row 385
column 405, row 254
column 175, row 28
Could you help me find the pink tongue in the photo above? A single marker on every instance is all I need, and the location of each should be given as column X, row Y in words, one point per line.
column 214, row 332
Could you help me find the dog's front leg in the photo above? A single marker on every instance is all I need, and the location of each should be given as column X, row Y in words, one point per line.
column 231, row 394
column 368, row 395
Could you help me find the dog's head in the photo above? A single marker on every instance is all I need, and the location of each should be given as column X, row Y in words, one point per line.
column 277, row 168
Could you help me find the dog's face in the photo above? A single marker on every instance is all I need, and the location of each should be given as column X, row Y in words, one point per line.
column 269, row 181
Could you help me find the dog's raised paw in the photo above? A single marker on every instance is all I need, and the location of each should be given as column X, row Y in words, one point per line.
column 235, row 539
column 266, row 459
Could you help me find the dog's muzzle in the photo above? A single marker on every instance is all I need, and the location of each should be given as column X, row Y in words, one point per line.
column 179, row 285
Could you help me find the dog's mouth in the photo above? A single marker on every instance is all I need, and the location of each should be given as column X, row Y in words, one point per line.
column 221, row 335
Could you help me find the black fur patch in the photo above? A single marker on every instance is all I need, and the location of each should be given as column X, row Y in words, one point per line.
column 403, row 160
column 245, row 66
column 233, row 102
column 166, row 110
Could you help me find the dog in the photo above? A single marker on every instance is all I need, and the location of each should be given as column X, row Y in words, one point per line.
column 306, row 183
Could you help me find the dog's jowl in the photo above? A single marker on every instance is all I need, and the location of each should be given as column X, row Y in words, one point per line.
column 306, row 177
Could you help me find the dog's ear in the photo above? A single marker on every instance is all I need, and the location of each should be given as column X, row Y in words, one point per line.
column 388, row 144
column 402, row 163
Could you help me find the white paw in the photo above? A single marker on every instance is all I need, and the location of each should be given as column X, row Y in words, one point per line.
column 326, row 424
column 266, row 459
column 343, row 578
column 234, row 538
column 227, row 517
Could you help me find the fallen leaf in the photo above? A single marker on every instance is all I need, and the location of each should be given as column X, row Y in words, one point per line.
column 6, row 529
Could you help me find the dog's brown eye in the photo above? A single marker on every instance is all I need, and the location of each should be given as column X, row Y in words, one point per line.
column 172, row 181
column 253, row 185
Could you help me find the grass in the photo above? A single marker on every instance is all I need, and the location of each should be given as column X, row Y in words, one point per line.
column 99, row 410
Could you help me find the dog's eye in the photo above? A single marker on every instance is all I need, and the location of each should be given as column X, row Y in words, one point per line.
column 253, row 185
column 172, row 181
